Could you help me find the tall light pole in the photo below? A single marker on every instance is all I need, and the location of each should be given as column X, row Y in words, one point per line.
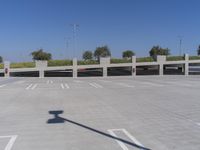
column 75, row 28
column 67, row 40
column 180, row 44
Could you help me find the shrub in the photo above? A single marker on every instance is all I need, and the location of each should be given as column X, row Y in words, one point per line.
column 128, row 54
column 157, row 50
column 102, row 51
column 41, row 55
column 87, row 55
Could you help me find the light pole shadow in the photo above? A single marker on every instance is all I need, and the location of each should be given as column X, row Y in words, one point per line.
column 58, row 119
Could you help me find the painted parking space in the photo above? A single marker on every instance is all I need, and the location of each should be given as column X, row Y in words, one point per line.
column 7, row 142
column 129, row 110
column 99, row 84
column 125, row 140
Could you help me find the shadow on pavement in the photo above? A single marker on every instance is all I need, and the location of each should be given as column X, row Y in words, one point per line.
column 58, row 119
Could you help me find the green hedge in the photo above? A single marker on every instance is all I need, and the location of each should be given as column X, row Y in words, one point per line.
column 117, row 61
column 52, row 63
column 194, row 57
column 144, row 59
column 88, row 62
column 175, row 58
column 1, row 66
column 22, row 65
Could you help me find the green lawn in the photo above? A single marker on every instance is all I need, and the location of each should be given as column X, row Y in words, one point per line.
column 1, row 66
column 52, row 63
column 22, row 65
column 175, row 58
column 117, row 60
column 194, row 57
column 145, row 59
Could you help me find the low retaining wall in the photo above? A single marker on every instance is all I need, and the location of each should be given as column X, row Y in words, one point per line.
column 42, row 66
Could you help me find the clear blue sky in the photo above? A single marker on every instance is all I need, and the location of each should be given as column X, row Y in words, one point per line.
column 27, row 25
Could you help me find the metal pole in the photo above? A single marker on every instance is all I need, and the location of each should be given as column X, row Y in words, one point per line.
column 67, row 46
column 75, row 27
column 180, row 44
column 180, row 47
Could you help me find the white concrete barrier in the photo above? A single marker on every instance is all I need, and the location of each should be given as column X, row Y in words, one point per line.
column 42, row 66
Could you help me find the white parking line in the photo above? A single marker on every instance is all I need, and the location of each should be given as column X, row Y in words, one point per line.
column 152, row 84
column 64, row 86
column 198, row 123
column 11, row 141
column 28, row 87
column 2, row 85
column 34, row 86
column 126, row 85
column 121, row 144
column 78, row 81
column 49, row 82
column 31, row 87
column 95, row 85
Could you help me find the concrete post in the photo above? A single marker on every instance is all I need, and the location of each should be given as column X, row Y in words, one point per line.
column 75, row 71
column 133, row 65
column 161, row 69
column 161, row 60
column 105, row 62
column 41, row 65
column 41, row 73
column 186, row 64
column 7, row 69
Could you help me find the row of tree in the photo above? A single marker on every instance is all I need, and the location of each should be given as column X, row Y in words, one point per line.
column 127, row 54
column 102, row 51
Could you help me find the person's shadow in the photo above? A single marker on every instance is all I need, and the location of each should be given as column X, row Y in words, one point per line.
column 58, row 119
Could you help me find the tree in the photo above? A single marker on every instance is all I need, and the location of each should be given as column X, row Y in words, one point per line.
column 198, row 51
column 87, row 55
column 157, row 50
column 128, row 54
column 1, row 59
column 41, row 55
column 102, row 52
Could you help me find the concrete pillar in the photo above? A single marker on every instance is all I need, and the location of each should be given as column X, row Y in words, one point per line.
column 41, row 73
column 75, row 70
column 105, row 62
column 186, row 64
column 7, row 69
column 161, row 60
column 41, row 65
column 133, row 65
column 105, row 72
column 161, row 69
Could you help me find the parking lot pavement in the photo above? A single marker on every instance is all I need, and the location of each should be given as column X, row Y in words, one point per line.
column 121, row 113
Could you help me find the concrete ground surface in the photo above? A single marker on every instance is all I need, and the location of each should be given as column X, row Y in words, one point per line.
column 114, row 113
